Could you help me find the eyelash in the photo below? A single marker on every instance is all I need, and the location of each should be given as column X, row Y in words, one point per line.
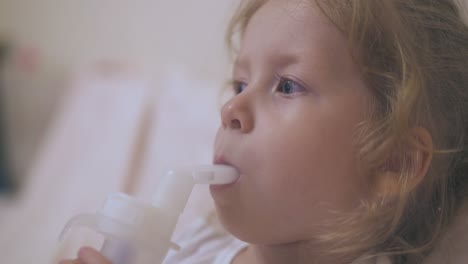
column 236, row 87
column 298, row 88
column 239, row 86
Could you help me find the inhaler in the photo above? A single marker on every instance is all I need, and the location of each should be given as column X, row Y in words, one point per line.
column 140, row 233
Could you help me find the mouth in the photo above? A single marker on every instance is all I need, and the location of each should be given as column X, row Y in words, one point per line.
column 221, row 160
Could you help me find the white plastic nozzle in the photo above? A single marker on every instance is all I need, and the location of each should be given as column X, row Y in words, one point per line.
column 215, row 174
column 175, row 187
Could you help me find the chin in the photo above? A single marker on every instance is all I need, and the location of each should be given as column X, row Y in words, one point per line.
column 244, row 229
column 235, row 224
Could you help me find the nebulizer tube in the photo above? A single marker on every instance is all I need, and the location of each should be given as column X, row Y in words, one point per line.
column 140, row 233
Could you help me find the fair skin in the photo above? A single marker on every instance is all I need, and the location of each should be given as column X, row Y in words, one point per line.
column 289, row 132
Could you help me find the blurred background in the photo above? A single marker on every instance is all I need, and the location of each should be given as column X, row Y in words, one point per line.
column 45, row 43
column 98, row 97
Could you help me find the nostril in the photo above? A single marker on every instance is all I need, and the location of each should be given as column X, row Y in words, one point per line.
column 235, row 124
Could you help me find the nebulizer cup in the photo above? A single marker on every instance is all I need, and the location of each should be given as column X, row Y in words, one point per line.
column 136, row 232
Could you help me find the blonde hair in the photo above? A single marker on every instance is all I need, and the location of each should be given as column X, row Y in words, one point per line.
column 414, row 56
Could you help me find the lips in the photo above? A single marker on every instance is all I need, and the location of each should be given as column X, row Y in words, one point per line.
column 221, row 160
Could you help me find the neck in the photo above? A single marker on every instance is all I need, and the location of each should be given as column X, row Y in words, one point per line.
column 297, row 253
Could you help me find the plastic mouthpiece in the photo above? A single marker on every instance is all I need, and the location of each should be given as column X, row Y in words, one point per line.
column 215, row 174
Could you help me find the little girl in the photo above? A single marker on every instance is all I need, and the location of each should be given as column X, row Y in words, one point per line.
column 349, row 127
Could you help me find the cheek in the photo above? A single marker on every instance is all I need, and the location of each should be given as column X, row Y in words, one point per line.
column 309, row 165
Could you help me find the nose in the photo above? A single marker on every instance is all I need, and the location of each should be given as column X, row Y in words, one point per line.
column 236, row 114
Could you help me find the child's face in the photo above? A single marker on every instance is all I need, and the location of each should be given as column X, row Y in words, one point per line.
column 290, row 130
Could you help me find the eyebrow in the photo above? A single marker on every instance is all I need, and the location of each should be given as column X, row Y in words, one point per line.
column 281, row 60
column 241, row 63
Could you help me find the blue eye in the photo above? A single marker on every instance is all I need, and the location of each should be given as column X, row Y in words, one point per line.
column 286, row 86
column 239, row 87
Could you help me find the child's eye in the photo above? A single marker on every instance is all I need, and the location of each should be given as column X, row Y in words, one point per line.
column 238, row 87
column 287, row 86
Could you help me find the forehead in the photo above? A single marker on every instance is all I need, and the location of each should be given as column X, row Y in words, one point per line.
column 296, row 31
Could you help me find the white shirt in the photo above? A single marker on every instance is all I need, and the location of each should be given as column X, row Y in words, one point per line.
column 202, row 243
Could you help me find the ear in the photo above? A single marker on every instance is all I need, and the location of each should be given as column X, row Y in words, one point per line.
column 415, row 159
